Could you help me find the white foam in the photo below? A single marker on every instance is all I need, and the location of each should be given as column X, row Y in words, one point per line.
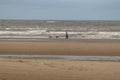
column 74, row 35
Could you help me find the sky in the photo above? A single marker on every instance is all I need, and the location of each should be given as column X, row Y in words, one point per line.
column 60, row 9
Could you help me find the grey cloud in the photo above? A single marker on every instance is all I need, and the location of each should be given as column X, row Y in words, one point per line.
column 60, row 9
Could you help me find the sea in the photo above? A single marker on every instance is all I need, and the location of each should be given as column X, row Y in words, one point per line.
column 60, row 29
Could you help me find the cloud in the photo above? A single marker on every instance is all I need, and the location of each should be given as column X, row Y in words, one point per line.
column 60, row 9
column 81, row 2
column 85, row 4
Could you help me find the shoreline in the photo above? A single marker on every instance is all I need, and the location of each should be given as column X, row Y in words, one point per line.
column 59, row 40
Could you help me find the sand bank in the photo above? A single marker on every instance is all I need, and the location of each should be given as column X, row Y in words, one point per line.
column 60, row 48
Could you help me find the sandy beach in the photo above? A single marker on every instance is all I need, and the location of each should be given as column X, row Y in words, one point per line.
column 60, row 48
column 22, row 69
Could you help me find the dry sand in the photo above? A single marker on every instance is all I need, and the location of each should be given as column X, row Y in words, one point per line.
column 16, row 69
column 61, row 48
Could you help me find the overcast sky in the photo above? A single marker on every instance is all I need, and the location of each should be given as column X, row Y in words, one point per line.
column 60, row 9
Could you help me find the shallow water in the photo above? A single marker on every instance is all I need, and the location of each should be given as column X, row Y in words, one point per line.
column 63, row 57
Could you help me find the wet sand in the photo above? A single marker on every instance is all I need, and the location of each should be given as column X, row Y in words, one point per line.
column 60, row 48
column 22, row 69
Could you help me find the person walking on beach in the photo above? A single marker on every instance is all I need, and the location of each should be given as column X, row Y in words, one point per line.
column 66, row 35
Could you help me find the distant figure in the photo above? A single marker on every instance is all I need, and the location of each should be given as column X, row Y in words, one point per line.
column 66, row 35
column 50, row 36
column 57, row 36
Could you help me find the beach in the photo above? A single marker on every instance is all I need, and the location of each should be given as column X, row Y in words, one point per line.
column 30, row 69
column 85, row 48
column 59, row 50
